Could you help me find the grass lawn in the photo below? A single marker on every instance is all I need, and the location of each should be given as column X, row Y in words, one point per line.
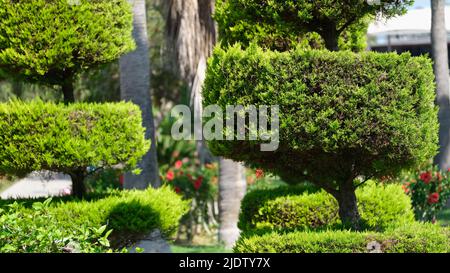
column 199, row 249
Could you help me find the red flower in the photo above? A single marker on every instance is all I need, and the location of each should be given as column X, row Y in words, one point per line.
column 405, row 188
column 121, row 179
column 198, row 183
column 177, row 190
column 426, row 177
column 433, row 198
column 259, row 173
column 178, row 164
column 170, row 175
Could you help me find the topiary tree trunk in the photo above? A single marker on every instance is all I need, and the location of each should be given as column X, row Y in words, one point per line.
column 78, row 187
column 348, row 206
column 68, row 89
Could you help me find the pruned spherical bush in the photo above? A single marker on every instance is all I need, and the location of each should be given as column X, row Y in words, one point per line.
column 342, row 116
column 50, row 41
column 46, row 136
column 370, row 113
column 289, row 208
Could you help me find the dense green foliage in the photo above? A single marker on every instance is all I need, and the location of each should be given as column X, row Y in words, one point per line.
column 69, row 139
column 342, row 115
column 37, row 230
column 282, row 24
column 48, row 41
column 129, row 214
column 54, row 137
column 288, row 208
column 237, row 25
column 414, row 238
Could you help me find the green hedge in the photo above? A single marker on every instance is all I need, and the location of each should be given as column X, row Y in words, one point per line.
column 303, row 208
column 413, row 238
column 367, row 114
column 129, row 214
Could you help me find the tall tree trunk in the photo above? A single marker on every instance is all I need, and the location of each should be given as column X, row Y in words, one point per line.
column 192, row 35
column 135, row 87
column 441, row 71
column 232, row 188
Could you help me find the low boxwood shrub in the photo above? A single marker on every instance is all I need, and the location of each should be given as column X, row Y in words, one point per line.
column 380, row 206
column 129, row 215
column 38, row 230
column 75, row 139
column 412, row 238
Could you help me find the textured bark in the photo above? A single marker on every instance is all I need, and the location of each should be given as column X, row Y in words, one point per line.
column 232, row 188
column 441, row 71
column 191, row 35
column 78, row 187
column 135, row 87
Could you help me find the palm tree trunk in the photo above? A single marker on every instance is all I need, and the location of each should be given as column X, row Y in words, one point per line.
column 135, row 87
column 441, row 71
column 232, row 188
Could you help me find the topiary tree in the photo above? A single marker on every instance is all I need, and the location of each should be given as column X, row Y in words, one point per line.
column 343, row 117
column 78, row 139
column 51, row 41
column 282, row 24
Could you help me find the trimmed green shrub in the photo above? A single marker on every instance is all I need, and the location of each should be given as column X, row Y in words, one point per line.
column 129, row 215
column 413, row 238
column 281, row 24
column 38, row 230
column 342, row 116
column 50, row 42
column 47, row 136
column 380, row 207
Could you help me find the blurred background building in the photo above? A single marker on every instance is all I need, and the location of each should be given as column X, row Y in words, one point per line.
column 410, row 32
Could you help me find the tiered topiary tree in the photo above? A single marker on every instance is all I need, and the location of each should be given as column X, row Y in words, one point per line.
column 344, row 117
column 77, row 139
column 51, row 41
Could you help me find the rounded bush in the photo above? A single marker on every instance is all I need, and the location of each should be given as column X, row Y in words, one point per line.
column 47, row 136
column 380, row 207
column 412, row 238
column 342, row 115
column 49, row 41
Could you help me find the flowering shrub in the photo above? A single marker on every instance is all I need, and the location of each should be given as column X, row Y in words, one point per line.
column 198, row 184
column 429, row 191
